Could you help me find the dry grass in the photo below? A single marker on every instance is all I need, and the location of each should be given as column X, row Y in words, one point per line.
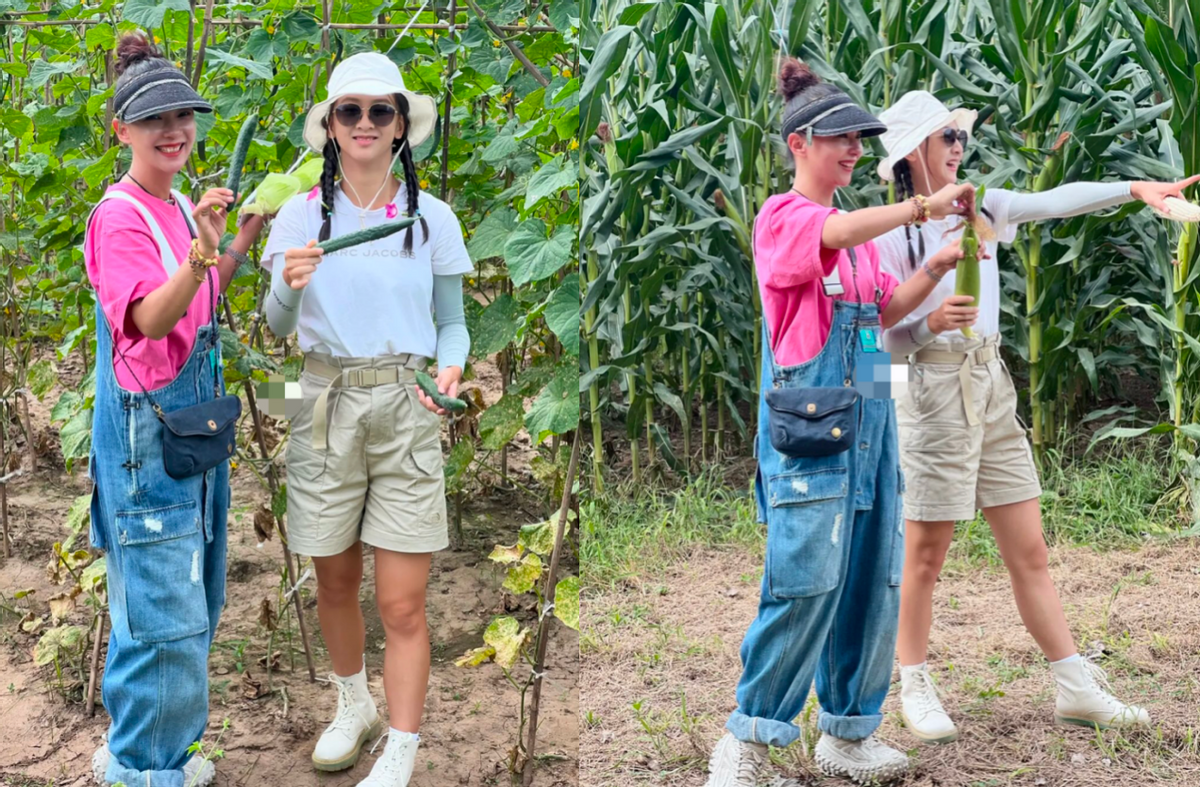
column 660, row 653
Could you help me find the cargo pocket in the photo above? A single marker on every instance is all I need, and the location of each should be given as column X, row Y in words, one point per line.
column 162, row 563
column 425, row 460
column 96, row 525
column 806, row 529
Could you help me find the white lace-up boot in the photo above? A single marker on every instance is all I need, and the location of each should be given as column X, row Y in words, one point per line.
column 356, row 722
column 395, row 766
column 867, row 761
column 1085, row 698
column 921, row 706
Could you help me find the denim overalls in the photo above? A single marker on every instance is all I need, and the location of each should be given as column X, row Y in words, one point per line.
column 165, row 541
column 835, row 548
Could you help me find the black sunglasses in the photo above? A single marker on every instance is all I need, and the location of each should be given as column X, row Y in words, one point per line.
column 950, row 136
column 379, row 114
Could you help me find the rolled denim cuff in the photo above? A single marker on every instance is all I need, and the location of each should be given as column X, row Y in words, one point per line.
column 755, row 729
column 848, row 728
column 119, row 774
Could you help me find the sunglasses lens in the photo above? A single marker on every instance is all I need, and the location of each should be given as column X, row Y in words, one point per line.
column 348, row 114
column 382, row 114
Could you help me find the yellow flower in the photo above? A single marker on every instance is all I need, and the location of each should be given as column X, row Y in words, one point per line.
column 574, row 145
column 566, row 72
column 495, row 42
column 232, row 465
column 424, row 184
column 157, row 40
column 271, row 29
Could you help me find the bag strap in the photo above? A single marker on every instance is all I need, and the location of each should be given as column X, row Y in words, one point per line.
column 169, row 262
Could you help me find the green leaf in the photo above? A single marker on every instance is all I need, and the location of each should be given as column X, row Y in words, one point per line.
column 491, row 234
column 42, row 377
column 531, row 256
column 68, row 404
column 100, row 37
column 500, row 423
column 476, row 656
column 507, row 637
column 457, row 464
column 538, row 538
column 562, row 313
column 149, row 14
column 606, row 59
column 43, row 70
column 557, row 174
column 19, row 70
column 257, row 69
column 556, row 410
column 76, row 436
column 95, row 574
column 497, row 327
column 566, row 601
column 14, row 123
column 58, row 642
column 523, row 576
column 79, row 513
column 501, row 148
column 102, row 168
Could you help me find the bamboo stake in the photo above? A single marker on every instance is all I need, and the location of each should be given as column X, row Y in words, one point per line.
column 544, row 623
column 91, row 692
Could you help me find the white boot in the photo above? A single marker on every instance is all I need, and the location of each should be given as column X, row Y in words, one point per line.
column 922, row 708
column 863, row 762
column 197, row 772
column 395, row 766
column 1084, row 698
column 735, row 763
column 356, row 722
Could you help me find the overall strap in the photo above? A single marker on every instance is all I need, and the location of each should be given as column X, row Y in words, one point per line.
column 169, row 262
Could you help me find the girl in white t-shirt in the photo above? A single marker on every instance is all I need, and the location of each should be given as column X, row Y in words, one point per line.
column 364, row 459
column 962, row 447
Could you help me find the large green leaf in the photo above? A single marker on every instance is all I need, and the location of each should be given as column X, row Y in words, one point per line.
column 562, row 313
column 556, row 410
column 532, row 256
column 524, row 575
column 506, row 636
column 492, row 233
column 500, row 423
column 149, row 14
column 566, row 601
column 258, row 70
column 553, row 177
column 497, row 327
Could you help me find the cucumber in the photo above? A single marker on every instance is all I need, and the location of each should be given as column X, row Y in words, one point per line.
column 364, row 236
column 240, row 149
column 440, row 399
column 966, row 276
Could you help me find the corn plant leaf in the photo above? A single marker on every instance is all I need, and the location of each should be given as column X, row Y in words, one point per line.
column 566, row 601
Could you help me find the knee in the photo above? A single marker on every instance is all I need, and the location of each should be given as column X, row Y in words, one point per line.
column 339, row 588
column 924, row 562
column 1033, row 559
column 403, row 617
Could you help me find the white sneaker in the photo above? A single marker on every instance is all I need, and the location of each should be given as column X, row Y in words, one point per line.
column 197, row 772
column 863, row 762
column 395, row 766
column 1084, row 698
column 735, row 763
column 356, row 722
column 921, row 707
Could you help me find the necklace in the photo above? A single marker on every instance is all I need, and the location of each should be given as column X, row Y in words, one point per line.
column 169, row 200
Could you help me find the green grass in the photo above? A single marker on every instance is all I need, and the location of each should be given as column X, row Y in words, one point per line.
column 640, row 535
column 1110, row 501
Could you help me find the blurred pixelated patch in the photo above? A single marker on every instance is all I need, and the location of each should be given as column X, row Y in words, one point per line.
column 881, row 375
column 278, row 397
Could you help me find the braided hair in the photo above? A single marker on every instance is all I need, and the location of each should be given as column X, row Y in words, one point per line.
column 411, row 184
column 905, row 190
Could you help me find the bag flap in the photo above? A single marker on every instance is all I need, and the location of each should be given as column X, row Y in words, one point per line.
column 204, row 420
column 811, row 402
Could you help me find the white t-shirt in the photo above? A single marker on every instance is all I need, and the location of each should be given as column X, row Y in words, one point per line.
column 371, row 299
column 893, row 257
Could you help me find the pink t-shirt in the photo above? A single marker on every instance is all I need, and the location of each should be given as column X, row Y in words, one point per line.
column 124, row 266
column 791, row 262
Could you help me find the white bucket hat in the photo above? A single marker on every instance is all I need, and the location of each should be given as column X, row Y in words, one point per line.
column 910, row 120
column 370, row 74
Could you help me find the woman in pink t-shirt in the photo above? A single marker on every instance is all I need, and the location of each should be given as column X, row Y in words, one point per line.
column 152, row 258
column 828, row 483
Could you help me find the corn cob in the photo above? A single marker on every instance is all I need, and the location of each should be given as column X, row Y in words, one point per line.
column 966, row 274
column 1181, row 210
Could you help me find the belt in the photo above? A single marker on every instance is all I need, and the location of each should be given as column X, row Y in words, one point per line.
column 403, row 371
column 965, row 360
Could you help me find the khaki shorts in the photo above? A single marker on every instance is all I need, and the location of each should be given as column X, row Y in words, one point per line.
column 953, row 468
column 380, row 481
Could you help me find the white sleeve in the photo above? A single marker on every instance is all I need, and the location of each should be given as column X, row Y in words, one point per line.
column 1073, row 199
column 449, row 253
column 287, row 231
column 893, row 254
column 907, row 337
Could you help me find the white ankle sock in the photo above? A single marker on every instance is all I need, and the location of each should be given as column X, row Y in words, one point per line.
column 1069, row 659
column 400, row 736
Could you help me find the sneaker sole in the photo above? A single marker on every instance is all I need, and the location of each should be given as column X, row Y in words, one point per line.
column 881, row 776
column 347, row 762
column 936, row 740
column 1097, row 724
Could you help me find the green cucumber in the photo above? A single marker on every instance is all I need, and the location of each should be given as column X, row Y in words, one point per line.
column 440, row 399
column 365, row 236
column 966, row 275
column 240, row 149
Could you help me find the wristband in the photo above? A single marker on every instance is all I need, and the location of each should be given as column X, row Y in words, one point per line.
column 929, row 272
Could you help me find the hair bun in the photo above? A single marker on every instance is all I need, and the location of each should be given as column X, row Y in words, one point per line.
column 795, row 78
column 134, row 48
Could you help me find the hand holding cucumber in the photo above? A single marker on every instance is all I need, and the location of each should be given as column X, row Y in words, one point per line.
column 210, row 215
column 299, row 265
column 441, row 394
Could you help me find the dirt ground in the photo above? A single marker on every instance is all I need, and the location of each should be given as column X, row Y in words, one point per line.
column 661, row 658
column 471, row 714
